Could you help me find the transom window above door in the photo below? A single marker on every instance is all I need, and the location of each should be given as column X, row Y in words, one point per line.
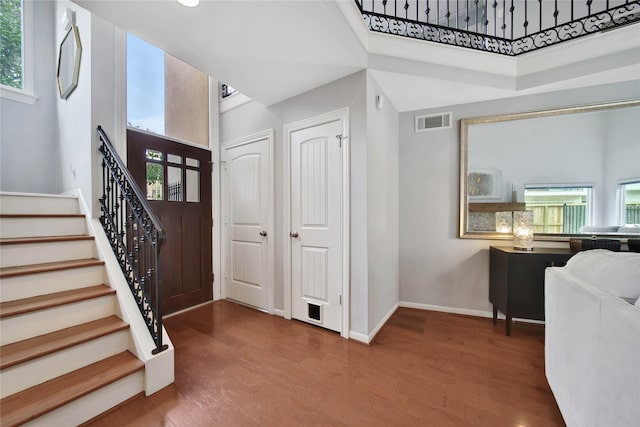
column 165, row 95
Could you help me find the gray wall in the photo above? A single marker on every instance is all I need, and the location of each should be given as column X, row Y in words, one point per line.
column 254, row 117
column 28, row 133
column 382, row 205
column 436, row 267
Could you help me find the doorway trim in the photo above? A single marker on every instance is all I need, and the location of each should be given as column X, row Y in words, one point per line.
column 343, row 115
column 269, row 135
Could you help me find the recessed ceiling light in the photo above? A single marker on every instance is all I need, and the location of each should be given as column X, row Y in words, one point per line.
column 189, row 3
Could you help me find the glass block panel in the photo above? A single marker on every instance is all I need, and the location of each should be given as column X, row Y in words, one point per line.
column 174, row 158
column 193, row 162
column 155, row 180
column 174, row 184
column 193, row 185
column 154, row 155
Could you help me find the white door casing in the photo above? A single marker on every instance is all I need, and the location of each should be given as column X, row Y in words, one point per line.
column 316, row 208
column 248, row 220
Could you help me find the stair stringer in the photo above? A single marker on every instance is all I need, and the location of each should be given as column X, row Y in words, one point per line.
column 159, row 368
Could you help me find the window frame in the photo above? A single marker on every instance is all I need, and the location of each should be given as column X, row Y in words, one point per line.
column 26, row 94
column 591, row 197
column 622, row 205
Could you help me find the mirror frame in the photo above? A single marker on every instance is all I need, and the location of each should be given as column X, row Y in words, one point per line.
column 464, row 158
column 73, row 32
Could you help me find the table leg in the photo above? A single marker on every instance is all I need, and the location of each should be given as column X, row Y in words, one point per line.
column 495, row 314
column 509, row 318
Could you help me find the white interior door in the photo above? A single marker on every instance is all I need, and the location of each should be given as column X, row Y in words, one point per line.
column 316, row 223
column 247, row 181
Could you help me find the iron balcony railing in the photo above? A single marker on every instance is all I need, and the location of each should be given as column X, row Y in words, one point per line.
column 135, row 234
column 508, row 27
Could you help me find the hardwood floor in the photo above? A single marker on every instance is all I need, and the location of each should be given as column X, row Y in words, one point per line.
column 236, row 367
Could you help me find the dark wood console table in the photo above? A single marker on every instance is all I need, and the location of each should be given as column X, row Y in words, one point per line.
column 516, row 280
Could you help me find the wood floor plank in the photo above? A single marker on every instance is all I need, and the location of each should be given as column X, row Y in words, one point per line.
column 29, row 404
column 20, row 270
column 237, row 366
column 27, row 305
column 48, row 239
column 23, row 351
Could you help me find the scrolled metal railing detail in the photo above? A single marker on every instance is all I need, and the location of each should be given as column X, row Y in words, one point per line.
column 135, row 235
column 432, row 20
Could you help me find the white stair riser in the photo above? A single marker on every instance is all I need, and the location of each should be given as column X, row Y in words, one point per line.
column 37, row 253
column 31, row 285
column 42, row 227
column 93, row 404
column 29, row 325
column 45, row 368
column 31, row 204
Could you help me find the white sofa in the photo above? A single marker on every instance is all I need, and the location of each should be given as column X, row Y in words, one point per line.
column 592, row 338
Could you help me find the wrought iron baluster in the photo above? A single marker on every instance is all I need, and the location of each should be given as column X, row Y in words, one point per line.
column 486, row 17
column 135, row 235
column 526, row 21
column 406, row 9
column 511, row 11
column 466, row 20
column 448, row 15
column 427, row 10
column 589, row 6
column 555, row 14
column 540, row 15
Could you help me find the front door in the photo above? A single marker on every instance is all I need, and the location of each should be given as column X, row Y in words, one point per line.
column 247, row 181
column 176, row 179
column 316, row 223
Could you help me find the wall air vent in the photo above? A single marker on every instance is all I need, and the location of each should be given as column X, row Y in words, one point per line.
column 433, row 122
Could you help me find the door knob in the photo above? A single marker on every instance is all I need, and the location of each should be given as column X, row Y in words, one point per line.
column 293, row 234
column 263, row 233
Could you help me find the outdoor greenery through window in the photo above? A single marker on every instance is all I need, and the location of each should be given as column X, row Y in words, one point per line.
column 11, row 44
column 559, row 209
column 631, row 203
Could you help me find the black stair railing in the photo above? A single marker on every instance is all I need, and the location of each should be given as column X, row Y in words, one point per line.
column 135, row 234
column 508, row 27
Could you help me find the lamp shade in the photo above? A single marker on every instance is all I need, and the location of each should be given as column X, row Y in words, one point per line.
column 523, row 230
column 504, row 221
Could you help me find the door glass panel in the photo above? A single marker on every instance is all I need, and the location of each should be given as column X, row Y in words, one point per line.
column 154, row 155
column 193, row 185
column 173, row 158
column 174, row 184
column 193, row 162
column 155, row 181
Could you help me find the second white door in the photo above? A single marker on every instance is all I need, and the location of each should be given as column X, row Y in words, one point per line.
column 247, row 181
column 316, row 221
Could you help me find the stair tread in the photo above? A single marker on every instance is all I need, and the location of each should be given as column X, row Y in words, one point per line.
column 42, row 216
column 47, row 239
column 12, row 308
column 23, row 351
column 29, row 404
column 48, row 266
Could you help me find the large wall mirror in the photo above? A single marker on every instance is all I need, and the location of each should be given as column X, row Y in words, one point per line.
column 576, row 168
column 69, row 57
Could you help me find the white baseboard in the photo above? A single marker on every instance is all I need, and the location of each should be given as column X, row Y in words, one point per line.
column 465, row 311
column 366, row 339
column 278, row 312
column 356, row 336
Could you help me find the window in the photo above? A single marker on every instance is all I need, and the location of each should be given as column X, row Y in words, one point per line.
column 630, row 193
column 559, row 208
column 166, row 96
column 15, row 43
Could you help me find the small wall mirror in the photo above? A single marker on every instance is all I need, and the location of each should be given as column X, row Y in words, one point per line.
column 69, row 62
column 576, row 168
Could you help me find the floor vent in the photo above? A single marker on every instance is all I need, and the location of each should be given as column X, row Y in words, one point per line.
column 433, row 122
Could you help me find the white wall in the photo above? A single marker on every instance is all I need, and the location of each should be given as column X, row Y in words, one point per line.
column 254, row 117
column 622, row 156
column 91, row 104
column 28, row 135
column 436, row 267
column 382, row 205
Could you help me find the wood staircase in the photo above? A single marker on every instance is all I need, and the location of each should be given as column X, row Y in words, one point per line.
column 64, row 351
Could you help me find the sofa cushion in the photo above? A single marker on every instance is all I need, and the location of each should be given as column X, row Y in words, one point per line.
column 617, row 273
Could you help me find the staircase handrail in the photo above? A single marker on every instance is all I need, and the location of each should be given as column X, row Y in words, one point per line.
column 135, row 234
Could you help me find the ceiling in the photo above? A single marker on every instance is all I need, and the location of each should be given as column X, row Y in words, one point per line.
column 273, row 50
